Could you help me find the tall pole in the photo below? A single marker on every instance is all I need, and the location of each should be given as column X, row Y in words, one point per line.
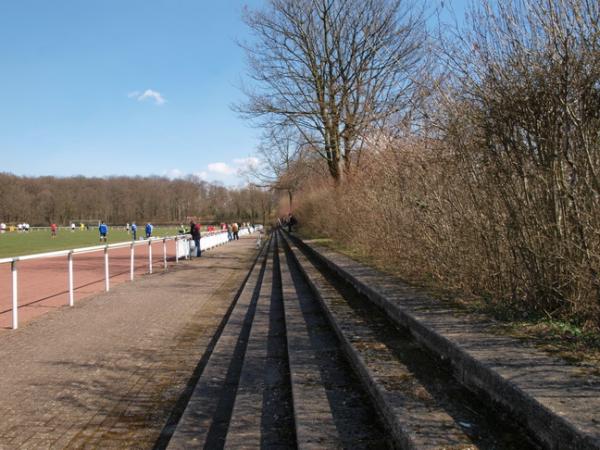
column 71, row 294
column 149, row 255
column 15, row 304
column 132, row 260
column 106, row 271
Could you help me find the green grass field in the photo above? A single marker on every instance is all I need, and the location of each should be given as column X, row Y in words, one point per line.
column 17, row 244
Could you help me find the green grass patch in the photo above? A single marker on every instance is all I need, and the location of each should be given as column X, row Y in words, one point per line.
column 19, row 244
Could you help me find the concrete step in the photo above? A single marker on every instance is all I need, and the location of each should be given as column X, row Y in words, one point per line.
column 331, row 410
column 556, row 402
column 205, row 419
column 423, row 406
column 262, row 416
column 313, row 418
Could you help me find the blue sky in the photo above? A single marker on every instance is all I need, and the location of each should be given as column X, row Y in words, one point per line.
column 123, row 87
column 70, row 71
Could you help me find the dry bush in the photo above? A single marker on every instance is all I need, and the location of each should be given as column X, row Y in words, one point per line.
column 505, row 201
column 417, row 209
column 527, row 80
column 404, row 207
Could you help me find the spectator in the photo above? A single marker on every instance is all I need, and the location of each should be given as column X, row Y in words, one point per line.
column 235, row 230
column 291, row 222
column 127, row 227
column 103, row 229
column 229, row 233
column 149, row 228
column 72, row 227
column 195, row 232
column 134, row 230
column 2, row 227
column 53, row 228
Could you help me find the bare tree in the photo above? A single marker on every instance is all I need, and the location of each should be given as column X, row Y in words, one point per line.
column 43, row 200
column 282, row 162
column 333, row 69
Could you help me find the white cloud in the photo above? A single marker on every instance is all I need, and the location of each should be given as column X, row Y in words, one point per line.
column 221, row 172
column 221, row 168
column 148, row 94
column 246, row 163
column 173, row 174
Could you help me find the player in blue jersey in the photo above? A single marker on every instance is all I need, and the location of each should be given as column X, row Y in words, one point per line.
column 103, row 229
column 149, row 228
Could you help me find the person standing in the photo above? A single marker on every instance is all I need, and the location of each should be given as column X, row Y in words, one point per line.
column 72, row 227
column 103, row 229
column 195, row 232
column 148, row 230
column 53, row 228
column 235, row 228
column 229, row 232
column 291, row 222
column 134, row 230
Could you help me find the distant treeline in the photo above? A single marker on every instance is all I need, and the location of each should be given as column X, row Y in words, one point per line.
column 116, row 200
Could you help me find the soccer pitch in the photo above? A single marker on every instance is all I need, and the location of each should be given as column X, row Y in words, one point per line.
column 39, row 241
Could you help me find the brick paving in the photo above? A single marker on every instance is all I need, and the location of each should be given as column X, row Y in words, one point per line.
column 108, row 372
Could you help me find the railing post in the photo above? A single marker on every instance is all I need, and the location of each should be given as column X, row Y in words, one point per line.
column 15, row 304
column 132, row 260
column 165, row 253
column 71, row 295
column 176, row 251
column 149, row 255
column 106, row 272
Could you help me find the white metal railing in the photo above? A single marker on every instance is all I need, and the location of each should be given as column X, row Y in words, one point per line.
column 182, row 250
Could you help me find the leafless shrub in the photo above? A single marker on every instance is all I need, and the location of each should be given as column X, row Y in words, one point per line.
column 528, row 77
column 497, row 191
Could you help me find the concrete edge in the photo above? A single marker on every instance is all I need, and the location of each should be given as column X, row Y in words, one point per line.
column 245, row 421
column 307, row 435
column 552, row 430
column 177, row 438
column 376, row 392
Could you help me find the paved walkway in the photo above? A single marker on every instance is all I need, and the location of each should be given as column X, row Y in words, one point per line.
column 108, row 372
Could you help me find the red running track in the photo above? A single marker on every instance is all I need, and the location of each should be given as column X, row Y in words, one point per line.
column 43, row 283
